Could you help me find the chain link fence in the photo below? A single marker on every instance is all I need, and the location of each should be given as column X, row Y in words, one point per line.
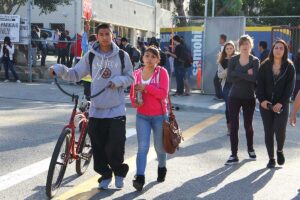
column 261, row 28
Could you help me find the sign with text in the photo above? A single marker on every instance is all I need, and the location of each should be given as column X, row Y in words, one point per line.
column 10, row 26
column 24, row 31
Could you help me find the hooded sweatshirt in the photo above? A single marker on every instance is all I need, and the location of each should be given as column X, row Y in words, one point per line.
column 106, row 67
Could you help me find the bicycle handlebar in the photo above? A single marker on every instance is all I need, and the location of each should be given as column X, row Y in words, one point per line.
column 73, row 95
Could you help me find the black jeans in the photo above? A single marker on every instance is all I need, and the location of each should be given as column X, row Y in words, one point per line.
column 108, row 138
column 179, row 73
column 248, row 106
column 218, row 87
column 274, row 124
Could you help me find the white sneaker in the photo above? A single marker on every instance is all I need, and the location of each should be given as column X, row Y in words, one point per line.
column 5, row 81
column 18, row 81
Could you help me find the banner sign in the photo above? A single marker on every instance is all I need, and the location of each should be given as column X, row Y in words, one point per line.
column 87, row 9
column 10, row 26
column 24, row 31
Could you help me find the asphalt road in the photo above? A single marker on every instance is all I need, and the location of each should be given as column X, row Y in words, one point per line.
column 32, row 116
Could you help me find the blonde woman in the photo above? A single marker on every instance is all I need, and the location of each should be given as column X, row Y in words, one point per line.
column 242, row 72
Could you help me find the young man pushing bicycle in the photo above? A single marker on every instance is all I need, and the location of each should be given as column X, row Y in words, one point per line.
column 107, row 111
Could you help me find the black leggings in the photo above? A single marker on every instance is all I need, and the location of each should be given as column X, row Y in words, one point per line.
column 274, row 124
column 248, row 106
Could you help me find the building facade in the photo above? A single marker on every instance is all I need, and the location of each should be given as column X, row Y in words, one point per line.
column 134, row 19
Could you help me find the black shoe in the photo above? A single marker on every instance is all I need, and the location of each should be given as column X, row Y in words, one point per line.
column 161, row 174
column 280, row 158
column 139, row 182
column 271, row 163
column 252, row 154
column 232, row 160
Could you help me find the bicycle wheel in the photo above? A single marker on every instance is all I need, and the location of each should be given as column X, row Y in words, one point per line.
column 58, row 163
column 85, row 154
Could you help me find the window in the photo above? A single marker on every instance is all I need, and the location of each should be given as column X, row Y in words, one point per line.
column 55, row 26
column 165, row 4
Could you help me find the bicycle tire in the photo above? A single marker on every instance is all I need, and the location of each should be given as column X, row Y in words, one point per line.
column 63, row 143
column 85, row 154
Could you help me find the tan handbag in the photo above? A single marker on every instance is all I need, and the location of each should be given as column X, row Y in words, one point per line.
column 172, row 134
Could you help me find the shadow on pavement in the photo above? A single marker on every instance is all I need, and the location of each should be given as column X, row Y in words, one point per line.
column 135, row 194
column 41, row 190
column 194, row 187
column 244, row 188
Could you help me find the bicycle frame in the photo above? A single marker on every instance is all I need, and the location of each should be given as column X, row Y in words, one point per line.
column 71, row 125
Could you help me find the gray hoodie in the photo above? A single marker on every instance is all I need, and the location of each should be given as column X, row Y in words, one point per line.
column 106, row 67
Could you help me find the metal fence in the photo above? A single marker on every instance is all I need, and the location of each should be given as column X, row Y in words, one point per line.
column 205, row 47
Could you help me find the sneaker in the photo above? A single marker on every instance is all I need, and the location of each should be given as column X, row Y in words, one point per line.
column 217, row 99
column 252, row 154
column 271, row 163
column 280, row 158
column 119, row 181
column 18, row 81
column 103, row 185
column 5, row 81
column 232, row 160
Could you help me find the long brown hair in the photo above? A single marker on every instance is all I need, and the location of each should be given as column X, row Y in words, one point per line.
column 223, row 54
column 284, row 58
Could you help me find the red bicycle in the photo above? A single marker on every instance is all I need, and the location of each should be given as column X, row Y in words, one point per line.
column 67, row 148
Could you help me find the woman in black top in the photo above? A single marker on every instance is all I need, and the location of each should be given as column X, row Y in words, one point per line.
column 242, row 72
column 276, row 80
column 227, row 52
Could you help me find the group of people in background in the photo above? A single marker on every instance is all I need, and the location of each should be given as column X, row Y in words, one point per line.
column 271, row 79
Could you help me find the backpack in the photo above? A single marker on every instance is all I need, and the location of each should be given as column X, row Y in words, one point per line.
column 135, row 54
column 121, row 56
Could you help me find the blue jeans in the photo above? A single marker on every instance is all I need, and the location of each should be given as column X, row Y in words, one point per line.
column 9, row 65
column 144, row 124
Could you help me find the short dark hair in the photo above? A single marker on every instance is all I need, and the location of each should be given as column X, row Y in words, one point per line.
column 124, row 39
column 263, row 44
column 92, row 37
column 103, row 26
column 177, row 38
column 223, row 37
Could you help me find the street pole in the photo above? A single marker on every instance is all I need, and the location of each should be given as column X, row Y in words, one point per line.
column 213, row 8
column 29, row 61
column 205, row 8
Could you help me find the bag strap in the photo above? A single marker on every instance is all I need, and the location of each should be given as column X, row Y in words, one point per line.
column 171, row 114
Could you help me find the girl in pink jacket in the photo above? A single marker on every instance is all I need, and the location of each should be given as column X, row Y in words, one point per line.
column 148, row 94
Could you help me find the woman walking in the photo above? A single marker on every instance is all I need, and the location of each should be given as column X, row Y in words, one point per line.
column 7, row 53
column 226, row 54
column 276, row 81
column 242, row 72
column 148, row 94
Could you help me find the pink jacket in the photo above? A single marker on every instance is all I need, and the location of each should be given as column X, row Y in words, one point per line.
column 154, row 93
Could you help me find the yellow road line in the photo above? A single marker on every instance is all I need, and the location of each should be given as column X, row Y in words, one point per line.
column 88, row 188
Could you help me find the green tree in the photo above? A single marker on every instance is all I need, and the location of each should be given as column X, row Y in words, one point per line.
column 9, row 6
column 196, row 8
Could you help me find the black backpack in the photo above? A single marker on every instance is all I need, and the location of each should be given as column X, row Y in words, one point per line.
column 92, row 56
column 188, row 58
column 135, row 54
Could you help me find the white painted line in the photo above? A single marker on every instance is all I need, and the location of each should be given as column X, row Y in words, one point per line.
column 23, row 174
column 18, row 176
column 216, row 106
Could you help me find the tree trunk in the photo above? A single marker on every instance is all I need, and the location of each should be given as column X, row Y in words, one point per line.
column 180, row 11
